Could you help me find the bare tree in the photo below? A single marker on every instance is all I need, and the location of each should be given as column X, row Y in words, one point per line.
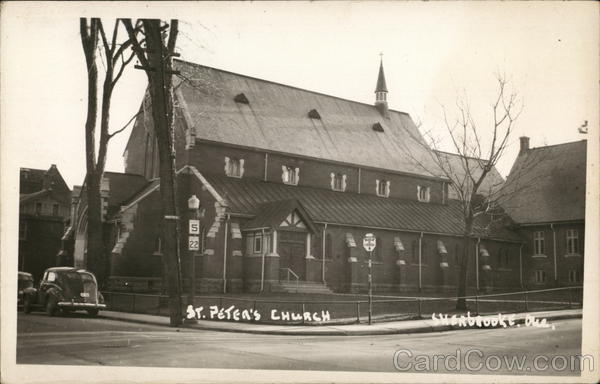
column 114, row 56
column 477, row 151
column 156, row 60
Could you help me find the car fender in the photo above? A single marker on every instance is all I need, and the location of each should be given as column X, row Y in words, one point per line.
column 31, row 293
column 54, row 292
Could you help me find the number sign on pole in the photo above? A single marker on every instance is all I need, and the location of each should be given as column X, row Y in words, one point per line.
column 194, row 228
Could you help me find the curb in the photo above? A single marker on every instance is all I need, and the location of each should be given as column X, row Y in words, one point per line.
column 338, row 332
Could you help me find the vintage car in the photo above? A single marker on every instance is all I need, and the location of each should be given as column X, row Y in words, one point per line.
column 25, row 280
column 66, row 289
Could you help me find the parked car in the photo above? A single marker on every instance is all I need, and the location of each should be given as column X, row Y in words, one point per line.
column 66, row 289
column 25, row 280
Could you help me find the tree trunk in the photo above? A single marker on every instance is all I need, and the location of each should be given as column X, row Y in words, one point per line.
column 93, row 259
column 96, row 256
column 461, row 292
column 161, row 91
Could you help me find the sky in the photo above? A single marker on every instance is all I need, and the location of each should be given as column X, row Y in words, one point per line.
column 433, row 53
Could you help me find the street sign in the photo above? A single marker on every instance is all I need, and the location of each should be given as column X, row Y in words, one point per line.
column 194, row 227
column 369, row 242
column 194, row 243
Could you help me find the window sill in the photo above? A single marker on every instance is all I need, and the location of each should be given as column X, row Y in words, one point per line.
column 540, row 256
column 338, row 190
column 288, row 183
column 234, row 176
column 573, row 255
column 386, row 196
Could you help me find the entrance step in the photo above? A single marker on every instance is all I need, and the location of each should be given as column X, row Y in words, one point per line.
column 304, row 287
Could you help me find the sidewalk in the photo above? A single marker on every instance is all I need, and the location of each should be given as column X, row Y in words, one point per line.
column 383, row 328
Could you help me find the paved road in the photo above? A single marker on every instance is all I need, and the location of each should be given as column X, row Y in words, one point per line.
column 79, row 340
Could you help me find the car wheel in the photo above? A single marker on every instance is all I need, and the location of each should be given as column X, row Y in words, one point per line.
column 26, row 305
column 93, row 312
column 51, row 306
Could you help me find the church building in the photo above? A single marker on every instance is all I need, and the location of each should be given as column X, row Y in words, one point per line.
column 288, row 182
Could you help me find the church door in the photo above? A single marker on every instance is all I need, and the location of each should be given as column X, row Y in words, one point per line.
column 292, row 252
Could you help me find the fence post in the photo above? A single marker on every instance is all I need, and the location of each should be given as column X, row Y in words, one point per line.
column 220, row 302
column 419, row 306
column 254, row 306
column 477, row 303
column 570, row 298
column 526, row 303
column 303, row 310
column 358, row 312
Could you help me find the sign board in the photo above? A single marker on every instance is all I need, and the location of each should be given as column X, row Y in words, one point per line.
column 369, row 242
column 194, row 243
column 194, row 227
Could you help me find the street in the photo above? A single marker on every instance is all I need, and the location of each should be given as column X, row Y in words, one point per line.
column 79, row 340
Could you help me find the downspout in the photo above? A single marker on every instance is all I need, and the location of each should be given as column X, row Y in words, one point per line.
column 323, row 253
column 420, row 255
column 554, row 252
column 477, row 263
column 262, row 268
column 226, row 233
column 266, row 165
column 521, row 265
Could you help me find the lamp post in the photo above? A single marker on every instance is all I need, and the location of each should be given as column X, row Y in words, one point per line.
column 193, row 242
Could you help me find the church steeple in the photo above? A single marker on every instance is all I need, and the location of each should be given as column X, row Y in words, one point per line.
column 381, row 91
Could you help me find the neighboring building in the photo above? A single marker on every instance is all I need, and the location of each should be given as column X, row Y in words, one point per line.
column 43, row 210
column 290, row 181
column 545, row 195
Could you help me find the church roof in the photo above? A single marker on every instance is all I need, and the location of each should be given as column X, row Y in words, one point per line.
column 248, row 197
column 381, row 86
column 275, row 117
column 456, row 165
column 547, row 184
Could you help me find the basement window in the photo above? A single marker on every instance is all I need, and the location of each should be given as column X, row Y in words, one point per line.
column 241, row 98
column 377, row 127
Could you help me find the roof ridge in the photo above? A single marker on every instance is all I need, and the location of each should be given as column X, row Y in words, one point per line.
column 284, row 85
column 559, row 144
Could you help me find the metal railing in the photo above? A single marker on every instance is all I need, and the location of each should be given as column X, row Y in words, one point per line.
column 347, row 308
column 288, row 272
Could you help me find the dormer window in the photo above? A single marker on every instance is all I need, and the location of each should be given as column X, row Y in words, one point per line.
column 338, row 181
column 241, row 98
column 290, row 175
column 234, row 167
column 423, row 194
column 377, row 127
column 314, row 114
column 382, row 187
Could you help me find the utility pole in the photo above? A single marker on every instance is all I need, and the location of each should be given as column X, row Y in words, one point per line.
column 156, row 61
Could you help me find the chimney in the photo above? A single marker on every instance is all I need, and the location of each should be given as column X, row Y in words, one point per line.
column 524, row 144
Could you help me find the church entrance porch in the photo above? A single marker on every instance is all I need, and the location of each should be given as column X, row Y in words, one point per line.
column 292, row 253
